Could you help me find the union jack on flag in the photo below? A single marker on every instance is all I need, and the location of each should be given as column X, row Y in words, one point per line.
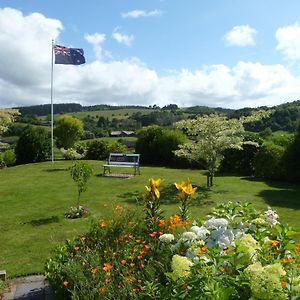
column 61, row 50
column 68, row 56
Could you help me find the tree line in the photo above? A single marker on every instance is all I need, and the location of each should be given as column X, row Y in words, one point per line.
column 284, row 117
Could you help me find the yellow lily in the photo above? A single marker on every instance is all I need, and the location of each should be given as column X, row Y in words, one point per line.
column 153, row 187
column 185, row 188
column 188, row 188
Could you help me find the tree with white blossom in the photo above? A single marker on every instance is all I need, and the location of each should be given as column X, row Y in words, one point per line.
column 7, row 116
column 210, row 135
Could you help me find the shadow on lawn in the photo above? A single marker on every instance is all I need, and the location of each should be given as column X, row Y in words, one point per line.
column 44, row 221
column 169, row 196
column 56, row 170
column 281, row 194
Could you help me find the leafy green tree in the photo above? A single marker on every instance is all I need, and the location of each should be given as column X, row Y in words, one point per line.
column 7, row 116
column 33, row 146
column 68, row 130
column 80, row 173
column 210, row 136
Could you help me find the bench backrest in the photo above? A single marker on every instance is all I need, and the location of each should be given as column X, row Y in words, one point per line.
column 124, row 159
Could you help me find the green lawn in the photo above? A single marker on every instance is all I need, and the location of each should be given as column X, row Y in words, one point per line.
column 35, row 197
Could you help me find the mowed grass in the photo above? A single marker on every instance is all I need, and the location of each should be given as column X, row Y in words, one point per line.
column 35, row 197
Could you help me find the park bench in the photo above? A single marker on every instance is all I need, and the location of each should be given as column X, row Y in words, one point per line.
column 122, row 160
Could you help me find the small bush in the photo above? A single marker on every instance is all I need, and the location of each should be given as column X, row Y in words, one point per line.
column 97, row 150
column 71, row 154
column 116, row 147
column 157, row 145
column 77, row 212
column 33, row 146
column 268, row 162
column 291, row 159
column 241, row 161
column 8, row 157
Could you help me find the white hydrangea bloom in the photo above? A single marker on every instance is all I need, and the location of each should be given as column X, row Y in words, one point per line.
column 201, row 232
column 189, row 236
column 167, row 238
column 215, row 223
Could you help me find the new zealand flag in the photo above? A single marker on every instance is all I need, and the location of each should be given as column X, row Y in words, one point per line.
column 68, row 56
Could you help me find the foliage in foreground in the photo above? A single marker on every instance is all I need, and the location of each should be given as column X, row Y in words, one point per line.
column 235, row 253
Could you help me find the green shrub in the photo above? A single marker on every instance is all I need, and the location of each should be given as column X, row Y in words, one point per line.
column 8, row 157
column 34, row 145
column 71, row 154
column 291, row 159
column 241, row 161
column 268, row 162
column 97, row 150
column 157, row 145
column 116, row 147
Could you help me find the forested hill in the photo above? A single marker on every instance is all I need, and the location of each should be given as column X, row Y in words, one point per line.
column 45, row 109
column 285, row 116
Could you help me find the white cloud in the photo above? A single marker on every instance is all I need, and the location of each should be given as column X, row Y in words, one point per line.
column 141, row 13
column 123, row 38
column 288, row 39
column 25, row 59
column 241, row 36
column 25, row 75
column 96, row 40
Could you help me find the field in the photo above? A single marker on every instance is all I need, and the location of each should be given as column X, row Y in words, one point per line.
column 110, row 114
column 34, row 198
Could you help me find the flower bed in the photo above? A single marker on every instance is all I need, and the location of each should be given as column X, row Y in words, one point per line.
column 235, row 253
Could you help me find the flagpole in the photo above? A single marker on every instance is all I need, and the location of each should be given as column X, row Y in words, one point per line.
column 52, row 117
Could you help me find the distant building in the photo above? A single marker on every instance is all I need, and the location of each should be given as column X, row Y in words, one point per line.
column 122, row 133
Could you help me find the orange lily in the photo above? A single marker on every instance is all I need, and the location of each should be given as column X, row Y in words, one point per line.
column 106, row 267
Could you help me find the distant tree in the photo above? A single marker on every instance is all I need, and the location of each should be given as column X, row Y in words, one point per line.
column 102, row 122
column 170, row 107
column 67, row 131
column 33, row 146
column 89, row 124
column 210, row 136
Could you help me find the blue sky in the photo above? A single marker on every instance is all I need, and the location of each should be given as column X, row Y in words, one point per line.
column 218, row 53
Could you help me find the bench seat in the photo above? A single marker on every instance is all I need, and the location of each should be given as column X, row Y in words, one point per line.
column 122, row 160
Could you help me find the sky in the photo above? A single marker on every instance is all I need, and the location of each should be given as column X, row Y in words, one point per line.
column 217, row 53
